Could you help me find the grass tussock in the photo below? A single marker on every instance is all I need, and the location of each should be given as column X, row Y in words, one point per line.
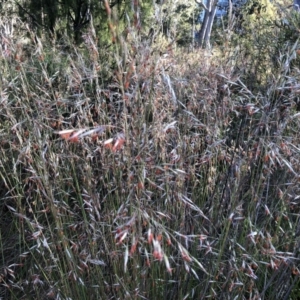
column 137, row 175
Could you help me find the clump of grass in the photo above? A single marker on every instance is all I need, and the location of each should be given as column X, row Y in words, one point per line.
column 169, row 177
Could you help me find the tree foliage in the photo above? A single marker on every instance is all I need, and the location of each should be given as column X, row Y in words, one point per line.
column 56, row 17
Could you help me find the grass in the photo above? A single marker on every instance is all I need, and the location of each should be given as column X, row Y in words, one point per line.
column 187, row 190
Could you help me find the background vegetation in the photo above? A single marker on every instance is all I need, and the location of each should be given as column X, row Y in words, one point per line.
column 135, row 165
